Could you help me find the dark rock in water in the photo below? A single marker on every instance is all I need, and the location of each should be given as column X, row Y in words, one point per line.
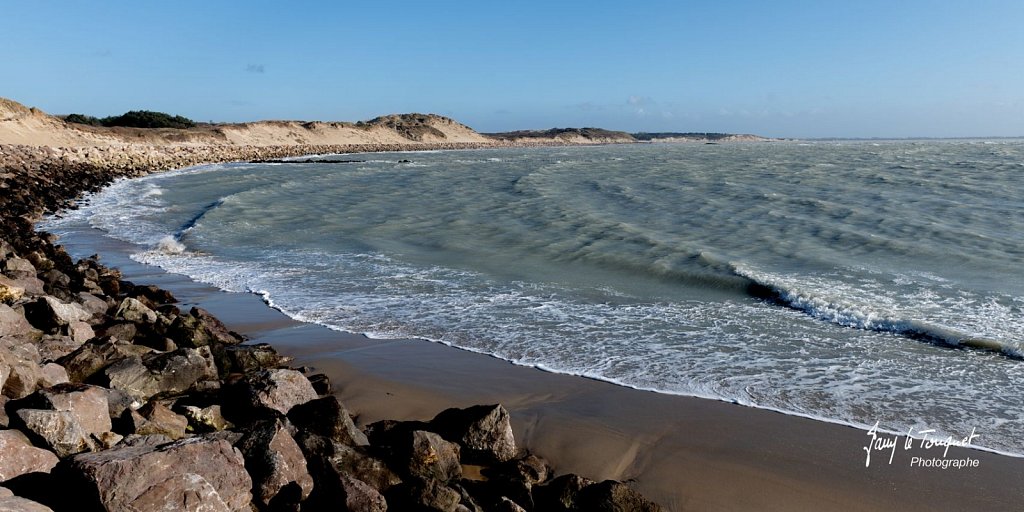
column 197, row 474
column 560, row 494
column 612, row 496
column 419, row 495
column 483, row 431
column 327, row 417
column 275, row 390
column 321, row 383
column 20, row 457
column 277, row 466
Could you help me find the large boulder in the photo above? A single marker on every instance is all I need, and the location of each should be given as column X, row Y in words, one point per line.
column 155, row 418
column 53, row 315
column 327, row 417
column 195, row 474
column 88, row 359
column 247, row 358
column 11, row 503
column 19, row 457
column 560, row 494
column 483, row 431
column 86, row 404
column 612, row 496
column 329, row 461
column 158, row 375
column 271, row 390
column 18, row 267
column 199, row 328
column 12, row 322
column 19, row 367
column 133, row 310
column 60, row 431
column 277, row 466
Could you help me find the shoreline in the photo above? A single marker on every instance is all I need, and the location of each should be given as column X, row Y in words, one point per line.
column 782, row 460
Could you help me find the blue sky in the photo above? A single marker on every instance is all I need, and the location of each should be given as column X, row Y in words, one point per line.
column 785, row 68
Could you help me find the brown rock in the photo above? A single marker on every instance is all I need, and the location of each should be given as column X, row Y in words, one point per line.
column 19, row 457
column 14, row 503
column 12, row 322
column 560, row 494
column 51, row 374
column 158, row 419
column 195, row 474
column 426, row 455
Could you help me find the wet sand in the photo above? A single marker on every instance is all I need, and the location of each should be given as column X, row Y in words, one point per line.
column 685, row 453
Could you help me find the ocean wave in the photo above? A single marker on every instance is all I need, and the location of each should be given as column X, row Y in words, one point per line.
column 834, row 309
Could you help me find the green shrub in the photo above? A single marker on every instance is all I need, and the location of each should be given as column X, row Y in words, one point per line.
column 148, row 119
column 83, row 119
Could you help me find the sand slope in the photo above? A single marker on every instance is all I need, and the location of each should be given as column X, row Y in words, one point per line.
column 30, row 126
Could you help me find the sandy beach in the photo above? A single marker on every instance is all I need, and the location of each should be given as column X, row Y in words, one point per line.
column 684, row 453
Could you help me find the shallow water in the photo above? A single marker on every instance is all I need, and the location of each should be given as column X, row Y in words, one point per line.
column 854, row 282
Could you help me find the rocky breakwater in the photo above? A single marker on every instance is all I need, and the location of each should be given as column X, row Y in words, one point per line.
column 113, row 398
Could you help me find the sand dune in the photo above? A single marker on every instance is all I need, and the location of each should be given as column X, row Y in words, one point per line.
column 29, row 126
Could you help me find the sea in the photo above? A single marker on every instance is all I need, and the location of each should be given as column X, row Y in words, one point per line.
column 856, row 282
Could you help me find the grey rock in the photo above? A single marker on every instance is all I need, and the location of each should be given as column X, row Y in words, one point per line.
column 483, row 431
column 80, row 332
column 96, row 355
column 92, row 303
column 58, row 430
column 20, row 457
column 18, row 267
column 53, row 315
column 162, row 374
column 195, row 474
column 278, row 390
column 133, row 310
